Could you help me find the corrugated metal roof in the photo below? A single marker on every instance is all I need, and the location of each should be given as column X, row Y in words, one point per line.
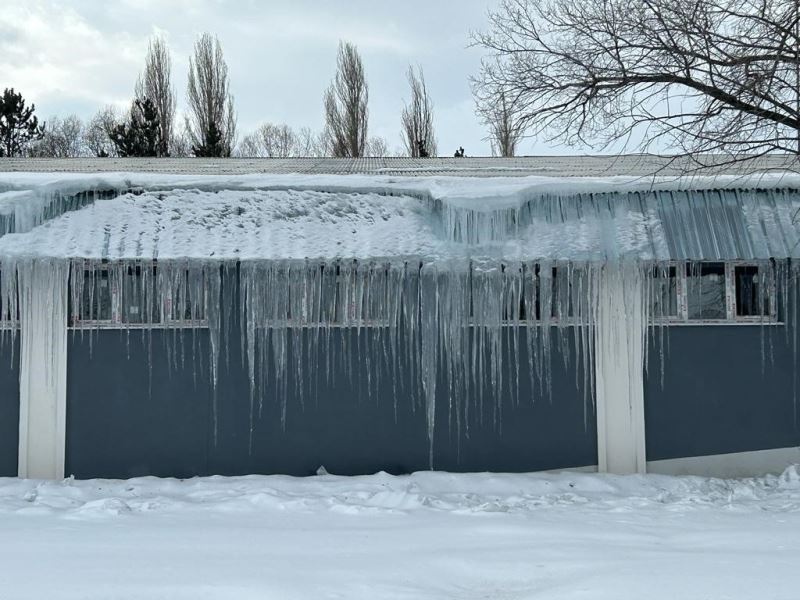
column 651, row 225
column 723, row 224
column 555, row 166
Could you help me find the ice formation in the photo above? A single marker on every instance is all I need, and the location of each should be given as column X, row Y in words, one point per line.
column 440, row 279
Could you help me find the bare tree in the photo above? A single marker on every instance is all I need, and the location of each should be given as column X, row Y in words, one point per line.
column 249, row 147
column 211, row 123
column 63, row 138
column 505, row 127
column 97, row 133
column 696, row 76
column 312, row 144
column 270, row 141
column 155, row 84
column 417, row 118
column 377, row 147
column 346, row 99
column 180, row 145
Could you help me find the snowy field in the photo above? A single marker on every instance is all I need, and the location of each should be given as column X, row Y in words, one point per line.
column 429, row 535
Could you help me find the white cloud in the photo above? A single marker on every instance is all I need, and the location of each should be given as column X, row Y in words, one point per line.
column 54, row 55
column 77, row 55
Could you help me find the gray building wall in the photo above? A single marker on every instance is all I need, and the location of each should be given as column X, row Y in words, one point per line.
column 143, row 404
column 9, row 404
column 720, row 394
column 135, row 408
column 138, row 403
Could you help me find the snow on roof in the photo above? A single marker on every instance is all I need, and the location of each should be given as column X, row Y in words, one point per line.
column 236, row 224
column 254, row 216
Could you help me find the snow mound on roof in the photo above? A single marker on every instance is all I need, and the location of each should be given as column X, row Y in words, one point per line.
column 228, row 224
column 359, row 216
column 293, row 224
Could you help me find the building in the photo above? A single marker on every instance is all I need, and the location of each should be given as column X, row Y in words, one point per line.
column 193, row 317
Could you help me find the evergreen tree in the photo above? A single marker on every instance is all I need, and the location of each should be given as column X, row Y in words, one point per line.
column 213, row 146
column 211, row 119
column 18, row 125
column 141, row 134
column 422, row 149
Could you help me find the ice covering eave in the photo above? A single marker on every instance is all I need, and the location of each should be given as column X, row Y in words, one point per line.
column 427, row 218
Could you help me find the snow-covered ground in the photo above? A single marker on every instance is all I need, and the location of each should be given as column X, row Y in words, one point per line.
column 428, row 535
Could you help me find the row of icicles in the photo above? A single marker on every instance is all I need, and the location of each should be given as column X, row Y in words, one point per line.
column 465, row 334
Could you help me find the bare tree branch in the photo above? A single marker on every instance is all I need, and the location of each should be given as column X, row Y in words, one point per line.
column 688, row 76
column 270, row 141
column 506, row 129
column 97, row 134
column 63, row 138
column 311, row 144
column 377, row 147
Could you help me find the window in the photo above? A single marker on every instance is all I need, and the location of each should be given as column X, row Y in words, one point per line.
column 340, row 295
column 752, row 296
column 570, row 299
column 96, row 297
column 713, row 292
column 555, row 294
column 139, row 302
column 706, row 292
column 9, row 314
column 184, row 298
column 126, row 296
column 664, row 293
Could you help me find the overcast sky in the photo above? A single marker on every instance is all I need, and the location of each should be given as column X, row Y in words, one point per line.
column 73, row 56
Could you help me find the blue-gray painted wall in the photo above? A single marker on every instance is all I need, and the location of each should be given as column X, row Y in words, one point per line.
column 720, row 394
column 126, row 418
column 135, row 408
column 9, row 404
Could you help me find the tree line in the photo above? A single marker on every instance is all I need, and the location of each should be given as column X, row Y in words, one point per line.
column 694, row 78
column 149, row 128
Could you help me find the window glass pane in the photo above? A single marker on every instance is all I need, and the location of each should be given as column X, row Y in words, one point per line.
column 187, row 302
column 569, row 288
column 752, row 299
column 705, row 294
column 139, row 300
column 326, row 300
column 664, row 299
column 560, row 293
column 529, row 302
column 513, row 295
column 96, row 296
column 3, row 308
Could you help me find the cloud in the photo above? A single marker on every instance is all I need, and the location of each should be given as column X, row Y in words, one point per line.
column 54, row 55
column 78, row 55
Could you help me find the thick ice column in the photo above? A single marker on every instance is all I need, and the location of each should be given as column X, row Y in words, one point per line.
column 43, row 368
column 620, row 337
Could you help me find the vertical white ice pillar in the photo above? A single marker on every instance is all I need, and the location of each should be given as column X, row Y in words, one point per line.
column 620, row 337
column 43, row 368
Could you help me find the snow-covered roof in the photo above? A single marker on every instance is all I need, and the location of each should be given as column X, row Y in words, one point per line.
column 269, row 216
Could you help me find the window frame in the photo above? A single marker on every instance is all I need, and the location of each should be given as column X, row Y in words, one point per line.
column 7, row 322
column 340, row 321
column 731, row 318
column 117, row 321
column 547, row 275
